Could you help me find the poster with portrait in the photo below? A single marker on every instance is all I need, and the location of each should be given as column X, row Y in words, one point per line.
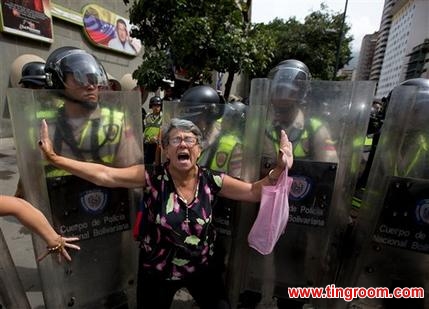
column 29, row 18
column 107, row 29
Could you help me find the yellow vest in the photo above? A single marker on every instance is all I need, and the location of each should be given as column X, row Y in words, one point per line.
column 222, row 156
column 104, row 141
column 152, row 127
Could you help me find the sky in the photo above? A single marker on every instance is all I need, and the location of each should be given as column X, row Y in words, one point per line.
column 363, row 16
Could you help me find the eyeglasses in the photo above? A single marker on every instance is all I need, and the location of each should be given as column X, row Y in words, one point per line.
column 189, row 140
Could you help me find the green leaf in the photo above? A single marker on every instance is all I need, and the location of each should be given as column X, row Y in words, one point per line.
column 192, row 240
column 179, row 262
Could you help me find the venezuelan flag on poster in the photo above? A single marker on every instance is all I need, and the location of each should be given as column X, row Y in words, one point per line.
column 99, row 24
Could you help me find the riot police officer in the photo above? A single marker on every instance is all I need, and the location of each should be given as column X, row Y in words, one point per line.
column 33, row 75
column 413, row 164
column 396, row 200
column 413, row 158
column 88, row 128
column 228, row 154
column 78, row 76
column 152, row 125
column 370, row 142
column 310, row 137
column 202, row 105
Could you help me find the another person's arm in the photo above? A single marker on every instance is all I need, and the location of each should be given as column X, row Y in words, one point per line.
column 33, row 219
column 251, row 192
column 127, row 177
column 324, row 146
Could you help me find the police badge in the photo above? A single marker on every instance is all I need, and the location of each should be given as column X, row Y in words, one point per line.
column 94, row 201
column 301, row 186
column 221, row 158
column 422, row 211
column 111, row 131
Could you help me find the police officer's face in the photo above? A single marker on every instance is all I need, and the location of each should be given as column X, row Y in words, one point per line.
column 156, row 109
column 284, row 112
column 79, row 92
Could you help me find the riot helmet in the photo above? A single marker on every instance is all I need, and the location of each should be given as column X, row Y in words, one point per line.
column 201, row 105
column 33, row 75
column 114, row 83
column 289, row 87
column 155, row 100
column 423, row 87
column 84, row 67
column 18, row 64
column 421, row 106
column 201, row 101
column 376, row 117
column 289, row 80
column 201, row 94
column 235, row 113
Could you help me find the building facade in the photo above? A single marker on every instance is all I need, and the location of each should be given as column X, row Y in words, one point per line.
column 73, row 23
column 409, row 28
column 418, row 66
column 366, row 56
column 383, row 34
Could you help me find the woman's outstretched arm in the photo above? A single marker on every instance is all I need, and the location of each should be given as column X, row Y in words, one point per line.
column 34, row 220
column 127, row 177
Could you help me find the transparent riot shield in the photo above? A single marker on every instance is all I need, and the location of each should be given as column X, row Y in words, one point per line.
column 322, row 128
column 391, row 235
column 246, row 213
column 12, row 293
column 103, row 273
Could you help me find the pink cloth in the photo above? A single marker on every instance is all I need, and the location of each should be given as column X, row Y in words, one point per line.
column 272, row 216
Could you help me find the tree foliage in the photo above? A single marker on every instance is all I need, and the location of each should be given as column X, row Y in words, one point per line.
column 197, row 38
column 315, row 42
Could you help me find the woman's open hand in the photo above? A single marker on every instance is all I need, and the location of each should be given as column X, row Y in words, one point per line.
column 285, row 157
column 60, row 248
column 45, row 143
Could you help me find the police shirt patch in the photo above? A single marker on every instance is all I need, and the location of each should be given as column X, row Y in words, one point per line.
column 221, row 158
column 111, row 131
column 301, row 186
column 422, row 211
column 94, row 201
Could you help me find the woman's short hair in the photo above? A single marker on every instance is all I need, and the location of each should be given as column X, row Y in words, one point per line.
column 181, row 124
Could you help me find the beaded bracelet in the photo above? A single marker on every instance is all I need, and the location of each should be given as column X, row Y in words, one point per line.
column 58, row 248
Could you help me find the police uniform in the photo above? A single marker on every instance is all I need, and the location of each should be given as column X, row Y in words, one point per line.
column 414, row 160
column 152, row 128
column 360, row 187
column 310, row 139
column 102, row 138
column 228, row 155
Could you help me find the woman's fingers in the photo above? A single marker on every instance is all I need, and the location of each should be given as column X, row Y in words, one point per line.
column 286, row 150
column 66, row 255
column 43, row 131
column 45, row 143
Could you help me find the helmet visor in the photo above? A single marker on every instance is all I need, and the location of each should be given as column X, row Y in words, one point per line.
column 288, row 75
column 191, row 110
column 84, row 68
